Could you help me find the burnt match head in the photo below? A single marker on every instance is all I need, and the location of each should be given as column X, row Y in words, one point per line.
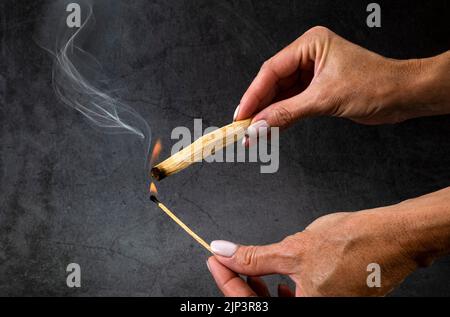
column 154, row 199
column 153, row 192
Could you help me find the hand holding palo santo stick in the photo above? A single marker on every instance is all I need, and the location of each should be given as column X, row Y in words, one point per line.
column 201, row 148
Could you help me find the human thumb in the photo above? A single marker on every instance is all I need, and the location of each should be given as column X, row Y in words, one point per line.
column 252, row 260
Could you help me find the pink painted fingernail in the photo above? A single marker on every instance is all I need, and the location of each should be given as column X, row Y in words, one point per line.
column 244, row 141
column 255, row 130
column 258, row 126
column 223, row 248
column 236, row 112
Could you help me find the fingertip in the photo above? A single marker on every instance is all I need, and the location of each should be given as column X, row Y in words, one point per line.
column 244, row 110
column 212, row 262
column 208, row 263
column 215, row 267
column 222, row 261
column 258, row 95
column 236, row 112
column 228, row 281
column 217, row 261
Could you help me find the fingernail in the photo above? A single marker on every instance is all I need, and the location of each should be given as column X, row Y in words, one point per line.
column 223, row 248
column 256, row 127
column 207, row 264
column 244, row 141
column 254, row 131
column 236, row 112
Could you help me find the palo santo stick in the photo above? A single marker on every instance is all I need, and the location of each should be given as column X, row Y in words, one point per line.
column 181, row 223
column 201, row 148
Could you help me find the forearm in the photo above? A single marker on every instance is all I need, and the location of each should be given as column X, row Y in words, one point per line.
column 425, row 86
column 423, row 226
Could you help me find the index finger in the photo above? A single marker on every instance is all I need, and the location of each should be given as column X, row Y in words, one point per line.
column 267, row 83
column 229, row 282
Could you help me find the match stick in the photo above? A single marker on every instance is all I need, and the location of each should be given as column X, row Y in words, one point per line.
column 201, row 148
column 180, row 223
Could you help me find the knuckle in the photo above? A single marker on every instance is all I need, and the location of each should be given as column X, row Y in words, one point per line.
column 292, row 246
column 320, row 30
column 266, row 64
column 248, row 257
column 289, row 242
column 283, row 117
column 317, row 32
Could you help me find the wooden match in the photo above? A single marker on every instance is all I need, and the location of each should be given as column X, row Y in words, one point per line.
column 201, row 148
column 180, row 223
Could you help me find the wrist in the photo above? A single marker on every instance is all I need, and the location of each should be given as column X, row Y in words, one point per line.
column 422, row 226
column 421, row 87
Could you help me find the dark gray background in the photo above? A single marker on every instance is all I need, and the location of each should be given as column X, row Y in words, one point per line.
column 69, row 193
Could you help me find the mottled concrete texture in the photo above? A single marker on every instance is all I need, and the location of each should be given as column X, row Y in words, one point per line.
column 69, row 193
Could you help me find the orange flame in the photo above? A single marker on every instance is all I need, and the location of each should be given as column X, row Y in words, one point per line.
column 153, row 189
column 155, row 153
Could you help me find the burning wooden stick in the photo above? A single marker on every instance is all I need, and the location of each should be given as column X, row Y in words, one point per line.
column 153, row 198
column 201, row 148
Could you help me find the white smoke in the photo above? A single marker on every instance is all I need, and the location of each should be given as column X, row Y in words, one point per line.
column 75, row 90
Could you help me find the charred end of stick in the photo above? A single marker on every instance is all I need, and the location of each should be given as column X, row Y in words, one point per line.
column 158, row 173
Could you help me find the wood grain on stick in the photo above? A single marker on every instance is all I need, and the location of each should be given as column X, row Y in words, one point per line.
column 201, row 148
column 181, row 224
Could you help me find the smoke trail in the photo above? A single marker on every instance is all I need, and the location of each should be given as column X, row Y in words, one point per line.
column 74, row 89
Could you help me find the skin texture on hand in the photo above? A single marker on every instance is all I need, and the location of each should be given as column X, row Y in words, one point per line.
column 323, row 74
column 330, row 257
